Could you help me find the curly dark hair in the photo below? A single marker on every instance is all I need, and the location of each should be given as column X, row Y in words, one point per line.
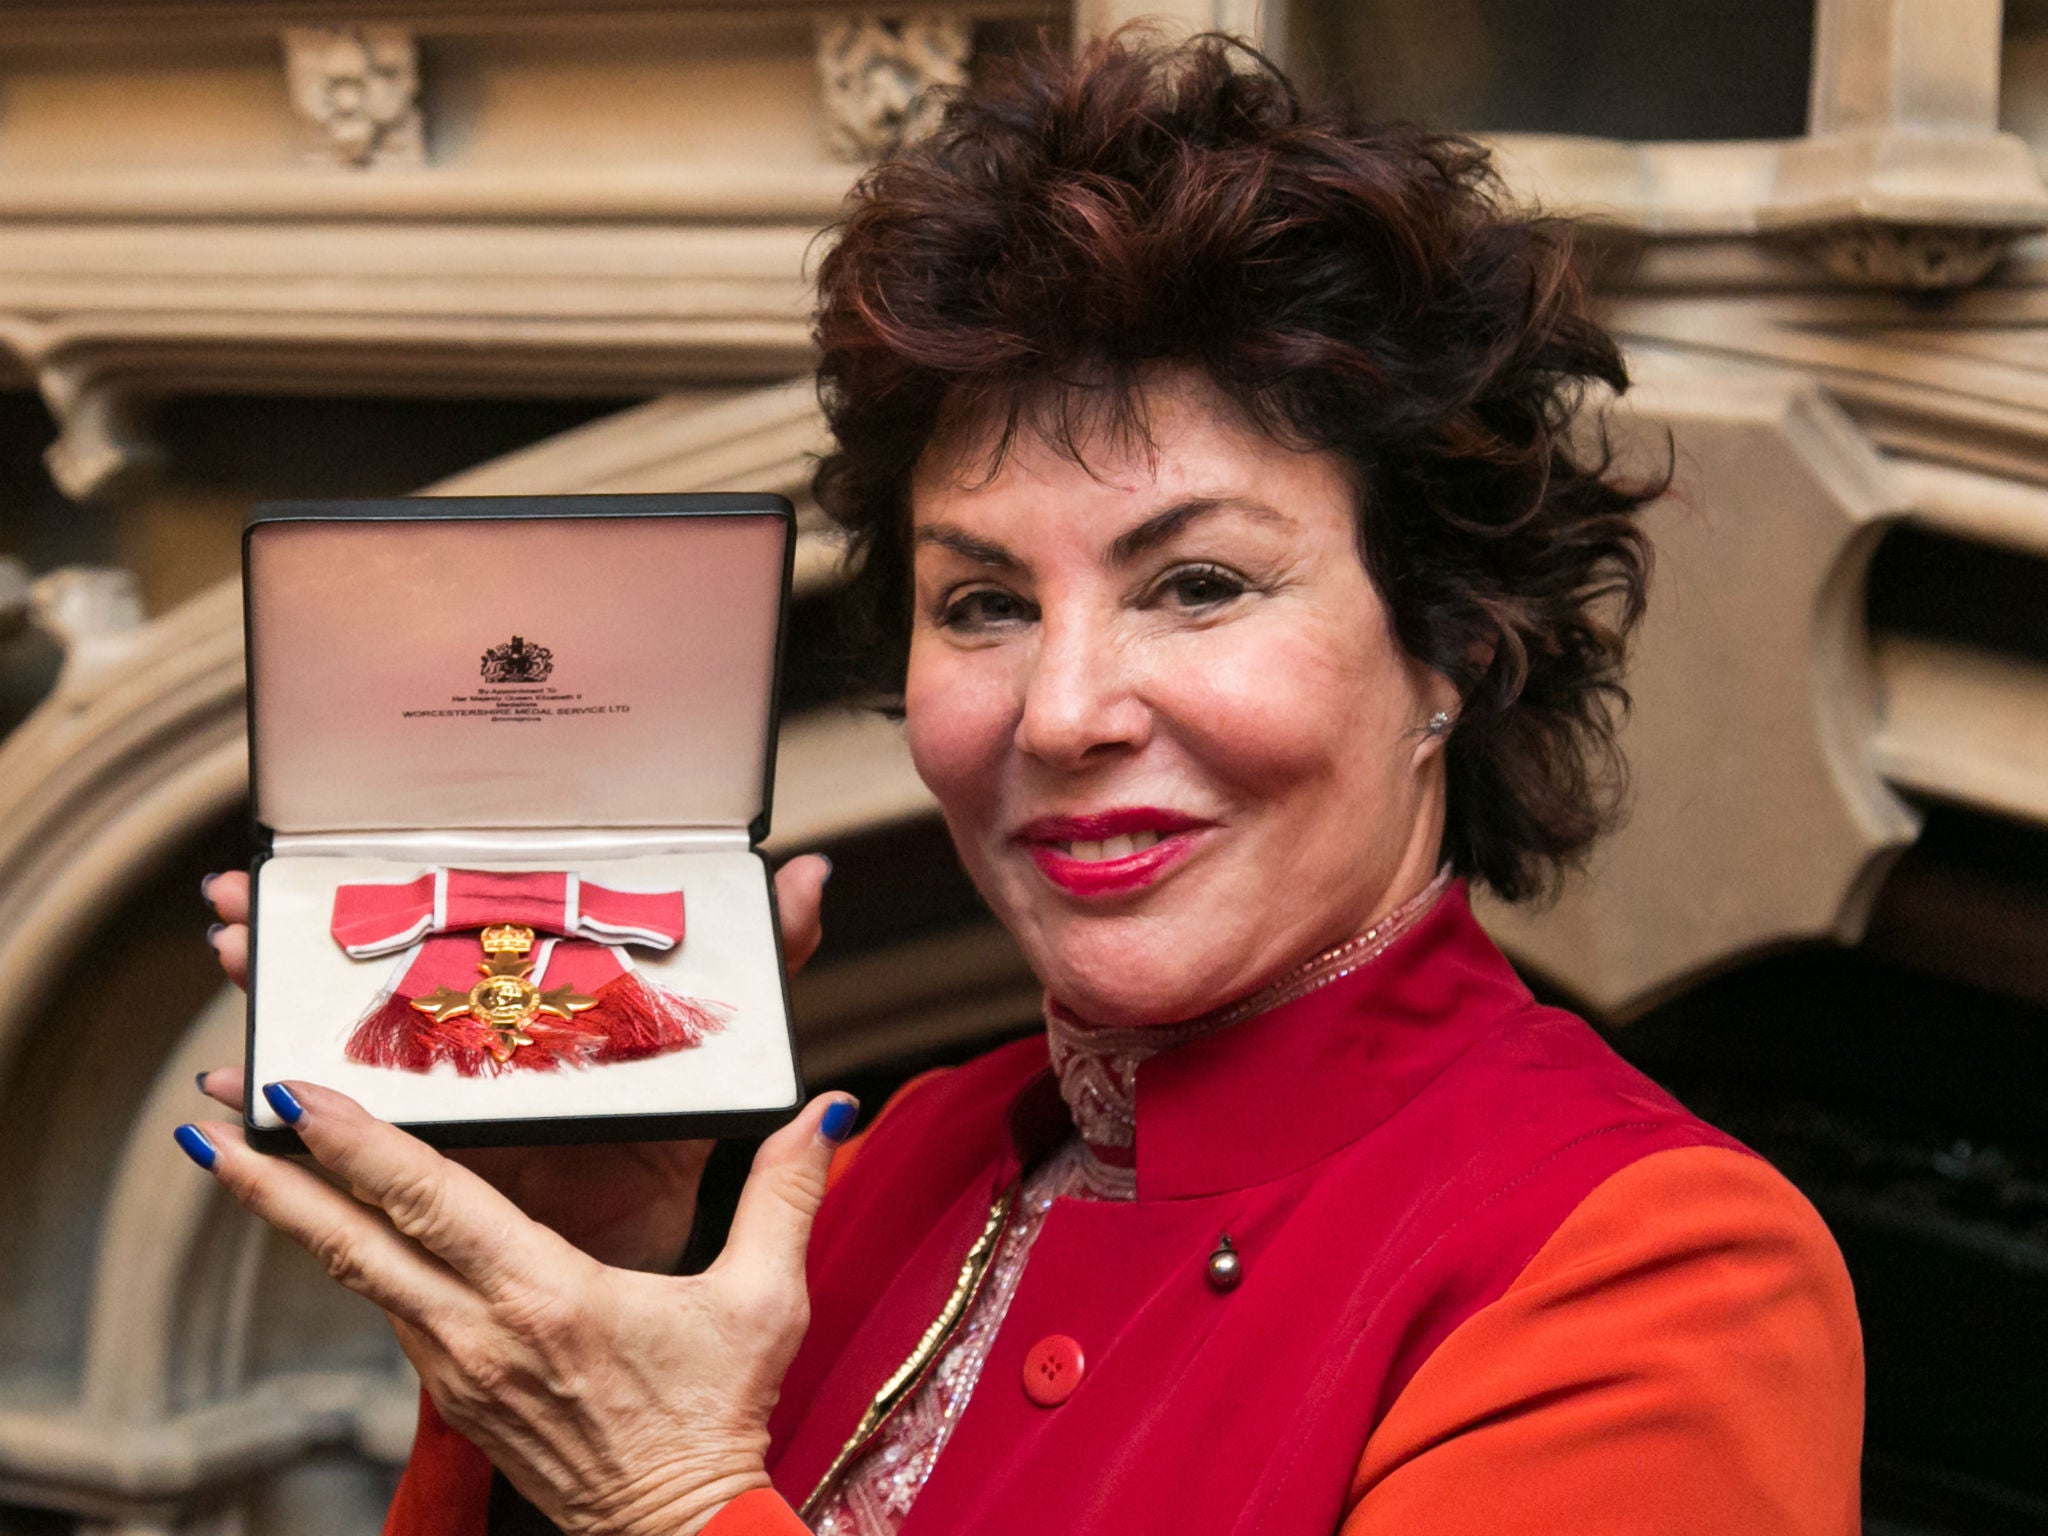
column 1353, row 287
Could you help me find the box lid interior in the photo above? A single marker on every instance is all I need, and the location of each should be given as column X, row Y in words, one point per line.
column 591, row 662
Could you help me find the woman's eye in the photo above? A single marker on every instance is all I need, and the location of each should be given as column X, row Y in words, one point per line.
column 984, row 608
column 1200, row 587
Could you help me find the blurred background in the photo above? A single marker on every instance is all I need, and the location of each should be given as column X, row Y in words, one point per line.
column 257, row 248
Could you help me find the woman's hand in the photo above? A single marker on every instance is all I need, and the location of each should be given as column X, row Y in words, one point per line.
column 617, row 1402
column 629, row 1204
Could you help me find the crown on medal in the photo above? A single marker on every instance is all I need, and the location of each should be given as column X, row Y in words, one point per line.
column 507, row 939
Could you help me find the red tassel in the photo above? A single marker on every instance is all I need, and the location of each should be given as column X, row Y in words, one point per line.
column 642, row 1020
column 390, row 1036
column 631, row 1021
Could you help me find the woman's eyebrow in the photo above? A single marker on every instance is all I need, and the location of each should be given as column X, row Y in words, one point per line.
column 980, row 551
column 1162, row 526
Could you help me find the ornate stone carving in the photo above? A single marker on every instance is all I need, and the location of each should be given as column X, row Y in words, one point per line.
column 93, row 612
column 1905, row 179
column 877, row 75
column 103, row 450
column 357, row 89
column 1915, row 256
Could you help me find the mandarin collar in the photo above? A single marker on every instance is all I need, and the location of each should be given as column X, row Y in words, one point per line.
column 1274, row 1093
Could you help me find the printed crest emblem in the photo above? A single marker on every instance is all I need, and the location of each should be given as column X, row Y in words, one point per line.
column 518, row 661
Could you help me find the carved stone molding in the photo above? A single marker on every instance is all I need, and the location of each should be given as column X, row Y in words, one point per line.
column 357, row 90
column 877, row 74
column 1259, row 22
column 92, row 21
column 1906, row 209
column 1904, row 173
column 1958, row 399
column 1750, row 740
column 1917, row 257
column 1969, row 390
column 765, row 439
column 1902, row 210
column 1988, row 509
column 139, row 744
column 110, row 316
column 1964, row 725
column 630, row 217
column 103, row 449
column 1908, row 175
column 1904, row 179
column 94, row 614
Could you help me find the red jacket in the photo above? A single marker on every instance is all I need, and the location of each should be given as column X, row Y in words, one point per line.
column 1493, row 1280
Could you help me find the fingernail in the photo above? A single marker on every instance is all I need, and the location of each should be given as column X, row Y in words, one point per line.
column 289, row 1109
column 205, row 881
column 838, row 1121
column 192, row 1141
column 199, row 1080
column 213, row 934
column 828, row 866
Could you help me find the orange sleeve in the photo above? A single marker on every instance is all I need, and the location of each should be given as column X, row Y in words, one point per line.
column 759, row 1513
column 1681, row 1357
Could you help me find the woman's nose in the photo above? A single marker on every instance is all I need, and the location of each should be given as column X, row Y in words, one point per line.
column 1080, row 700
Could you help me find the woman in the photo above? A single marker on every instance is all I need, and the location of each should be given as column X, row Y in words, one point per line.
column 1205, row 462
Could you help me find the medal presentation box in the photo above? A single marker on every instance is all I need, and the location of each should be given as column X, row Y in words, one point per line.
column 510, row 763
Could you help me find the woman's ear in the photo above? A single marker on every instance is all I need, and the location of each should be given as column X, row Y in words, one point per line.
column 1442, row 702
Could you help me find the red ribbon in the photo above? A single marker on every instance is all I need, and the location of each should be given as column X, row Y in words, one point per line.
column 437, row 918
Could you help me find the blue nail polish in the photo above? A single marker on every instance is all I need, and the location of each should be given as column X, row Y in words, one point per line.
column 838, row 1121
column 199, row 1081
column 205, row 882
column 195, row 1146
column 289, row 1109
column 828, row 867
column 213, row 934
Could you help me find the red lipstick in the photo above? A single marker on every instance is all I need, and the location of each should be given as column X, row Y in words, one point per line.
column 1068, row 851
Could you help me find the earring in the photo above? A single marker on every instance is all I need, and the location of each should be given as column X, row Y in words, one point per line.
column 1440, row 723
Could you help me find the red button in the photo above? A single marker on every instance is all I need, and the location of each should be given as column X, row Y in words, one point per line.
column 1052, row 1369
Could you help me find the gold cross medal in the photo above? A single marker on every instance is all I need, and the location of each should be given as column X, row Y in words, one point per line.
column 505, row 1002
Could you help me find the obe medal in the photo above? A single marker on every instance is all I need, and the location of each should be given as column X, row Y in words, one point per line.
column 505, row 1002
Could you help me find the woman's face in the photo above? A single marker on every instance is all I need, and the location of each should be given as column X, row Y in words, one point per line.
column 1163, row 709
